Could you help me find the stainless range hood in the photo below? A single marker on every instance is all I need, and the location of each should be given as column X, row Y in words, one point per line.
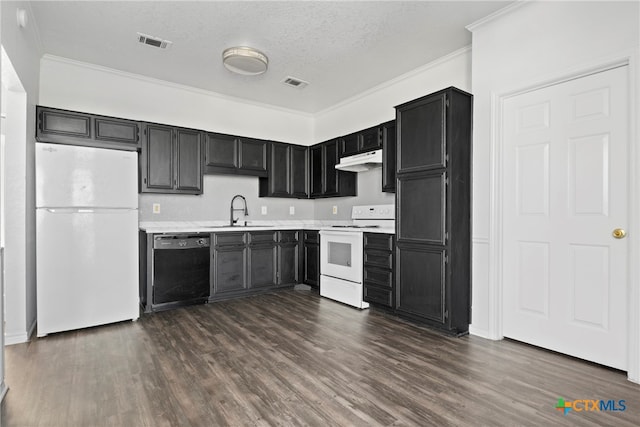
column 361, row 162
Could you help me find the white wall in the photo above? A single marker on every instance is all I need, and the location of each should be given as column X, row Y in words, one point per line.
column 531, row 43
column 376, row 105
column 84, row 87
column 23, row 50
column 214, row 203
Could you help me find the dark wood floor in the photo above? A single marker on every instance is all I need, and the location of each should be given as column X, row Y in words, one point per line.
column 293, row 358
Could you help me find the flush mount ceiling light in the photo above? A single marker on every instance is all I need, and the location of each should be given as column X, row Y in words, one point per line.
column 245, row 60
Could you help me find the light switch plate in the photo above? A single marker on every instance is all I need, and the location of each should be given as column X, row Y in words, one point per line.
column 292, row 210
column 156, row 208
column 263, row 210
column 334, row 210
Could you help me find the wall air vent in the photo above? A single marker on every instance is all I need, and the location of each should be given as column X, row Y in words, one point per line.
column 294, row 82
column 154, row 41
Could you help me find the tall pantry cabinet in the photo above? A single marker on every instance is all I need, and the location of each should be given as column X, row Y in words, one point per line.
column 433, row 202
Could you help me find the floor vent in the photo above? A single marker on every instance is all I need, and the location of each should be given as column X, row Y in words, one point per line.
column 154, row 41
column 294, row 82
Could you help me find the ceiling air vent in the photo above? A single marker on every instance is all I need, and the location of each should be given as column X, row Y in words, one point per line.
column 154, row 41
column 294, row 82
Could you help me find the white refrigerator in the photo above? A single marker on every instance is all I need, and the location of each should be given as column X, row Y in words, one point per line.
column 86, row 237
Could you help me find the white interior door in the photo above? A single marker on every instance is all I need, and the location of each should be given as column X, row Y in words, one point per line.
column 565, row 276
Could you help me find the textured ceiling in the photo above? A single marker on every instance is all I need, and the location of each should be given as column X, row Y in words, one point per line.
column 341, row 48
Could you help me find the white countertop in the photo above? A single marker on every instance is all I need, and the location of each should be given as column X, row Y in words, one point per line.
column 153, row 227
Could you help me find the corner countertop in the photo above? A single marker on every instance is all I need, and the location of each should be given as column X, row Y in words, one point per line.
column 158, row 227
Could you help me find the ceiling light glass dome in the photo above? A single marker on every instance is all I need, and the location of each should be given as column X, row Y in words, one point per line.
column 245, row 60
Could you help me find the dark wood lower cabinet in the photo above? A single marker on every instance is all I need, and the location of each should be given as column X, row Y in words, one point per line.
column 262, row 266
column 229, row 272
column 378, row 280
column 423, row 282
column 248, row 262
column 311, row 257
column 288, row 257
column 262, row 259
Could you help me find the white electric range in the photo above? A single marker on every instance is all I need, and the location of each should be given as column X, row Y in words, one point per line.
column 341, row 253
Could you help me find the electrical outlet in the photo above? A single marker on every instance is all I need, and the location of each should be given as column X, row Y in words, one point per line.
column 334, row 210
column 292, row 210
column 263, row 210
column 156, row 208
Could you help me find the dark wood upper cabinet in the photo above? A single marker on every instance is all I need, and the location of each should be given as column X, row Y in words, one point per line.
column 370, row 139
column 227, row 154
column 388, row 134
column 279, row 180
column 159, row 155
column 360, row 142
column 349, row 144
column 423, row 121
column 75, row 128
column 433, row 200
column 316, row 170
column 171, row 160
column 298, row 171
column 189, row 160
column 287, row 175
column 221, row 151
column 116, row 130
column 325, row 179
column 331, row 174
column 253, row 156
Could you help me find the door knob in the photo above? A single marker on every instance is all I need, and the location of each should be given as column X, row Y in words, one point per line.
column 619, row 233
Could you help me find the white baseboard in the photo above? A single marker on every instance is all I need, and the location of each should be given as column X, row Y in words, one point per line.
column 15, row 338
column 478, row 332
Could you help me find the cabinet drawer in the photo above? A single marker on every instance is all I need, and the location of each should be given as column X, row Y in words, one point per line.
column 379, row 277
column 378, row 296
column 229, row 239
column 289, row 236
column 378, row 258
column 258, row 237
column 311, row 236
column 379, row 241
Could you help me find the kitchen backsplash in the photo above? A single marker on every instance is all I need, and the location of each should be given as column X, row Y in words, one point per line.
column 369, row 193
column 213, row 204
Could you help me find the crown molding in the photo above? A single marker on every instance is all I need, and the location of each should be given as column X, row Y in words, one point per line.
column 408, row 75
column 140, row 77
column 497, row 14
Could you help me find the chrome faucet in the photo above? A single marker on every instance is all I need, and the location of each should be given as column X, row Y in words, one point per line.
column 231, row 209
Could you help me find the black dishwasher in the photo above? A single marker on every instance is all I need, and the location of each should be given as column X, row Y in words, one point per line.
column 181, row 264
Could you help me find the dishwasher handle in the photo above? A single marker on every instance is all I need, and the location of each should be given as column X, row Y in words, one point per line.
column 180, row 241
